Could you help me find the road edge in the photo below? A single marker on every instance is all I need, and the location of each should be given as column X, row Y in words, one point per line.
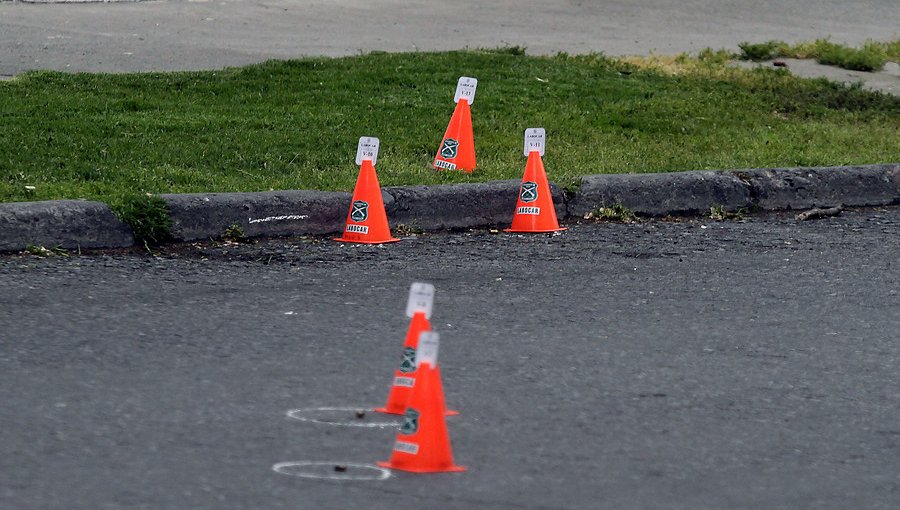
column 74, row 224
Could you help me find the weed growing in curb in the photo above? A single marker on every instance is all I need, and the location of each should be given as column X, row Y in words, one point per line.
column 408, row 230
column 617, row 213
column 148, row 217
column 718, row 213
column 573, row 187
column 235, row 234
column 43, row 252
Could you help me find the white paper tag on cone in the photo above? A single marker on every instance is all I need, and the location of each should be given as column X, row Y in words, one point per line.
column 367, row 149
column 535, row 140
column 427, row 351
column 421, row 299
column 465, row 89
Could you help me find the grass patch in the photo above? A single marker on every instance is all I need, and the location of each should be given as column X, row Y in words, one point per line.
column 147, row 215
column 295, row 124
column 762, row 51
column 871, row 56
column 864, row 59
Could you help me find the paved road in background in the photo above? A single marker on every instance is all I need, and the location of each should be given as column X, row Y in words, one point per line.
column 667, row 365
column 175, row 35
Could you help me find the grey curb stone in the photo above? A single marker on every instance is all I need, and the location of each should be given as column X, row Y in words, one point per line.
column 662, row 194
column 197, row 216
column 460, row 205
column 804, row 188
column 70, row 224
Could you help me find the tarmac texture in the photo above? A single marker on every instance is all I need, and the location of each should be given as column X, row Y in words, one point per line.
column 664, row 364
column 691, row 364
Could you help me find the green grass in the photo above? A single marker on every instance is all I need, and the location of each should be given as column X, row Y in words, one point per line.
column 870, row 57
column 147, row 215
column 295, row 124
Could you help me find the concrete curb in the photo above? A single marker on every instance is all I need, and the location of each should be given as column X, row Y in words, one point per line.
column 201, row 216
column 661, row 194
column 71, row 224
column 459, row 205
column 803, row 188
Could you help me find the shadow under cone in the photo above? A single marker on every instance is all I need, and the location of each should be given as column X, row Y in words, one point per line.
column 366, row 221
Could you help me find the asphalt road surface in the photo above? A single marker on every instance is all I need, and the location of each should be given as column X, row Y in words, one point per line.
column 173, row 35
column 692, row 364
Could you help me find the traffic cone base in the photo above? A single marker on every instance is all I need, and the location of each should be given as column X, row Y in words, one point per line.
column 350, row 239
column 367, row 221
column 411, row 469
column 457, row 150
column 535, row 231
column 385, row 410
column 535, row 212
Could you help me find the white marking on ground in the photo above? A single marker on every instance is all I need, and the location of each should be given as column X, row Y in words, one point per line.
column 296, row 468
column 305, row 415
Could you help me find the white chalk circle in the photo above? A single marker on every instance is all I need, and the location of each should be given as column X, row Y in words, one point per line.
column 345, row 417
column 332, row 470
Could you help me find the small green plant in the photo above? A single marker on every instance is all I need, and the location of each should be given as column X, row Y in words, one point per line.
column 761, row 51
column 235, row 234
column 617, row 213
column 148, row 217
column 43, row 252
column 517, row 51
column 572, row 187
column 714, row 57
column 408, row 230
column 718, row 213
column 868, row 58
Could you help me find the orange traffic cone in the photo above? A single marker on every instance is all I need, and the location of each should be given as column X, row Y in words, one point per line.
column 534, row 208
column 423, row 444
column 405, row 376
column 457, row 150
column 367, row 222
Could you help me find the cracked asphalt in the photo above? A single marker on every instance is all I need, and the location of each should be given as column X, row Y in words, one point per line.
column 664, row 364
